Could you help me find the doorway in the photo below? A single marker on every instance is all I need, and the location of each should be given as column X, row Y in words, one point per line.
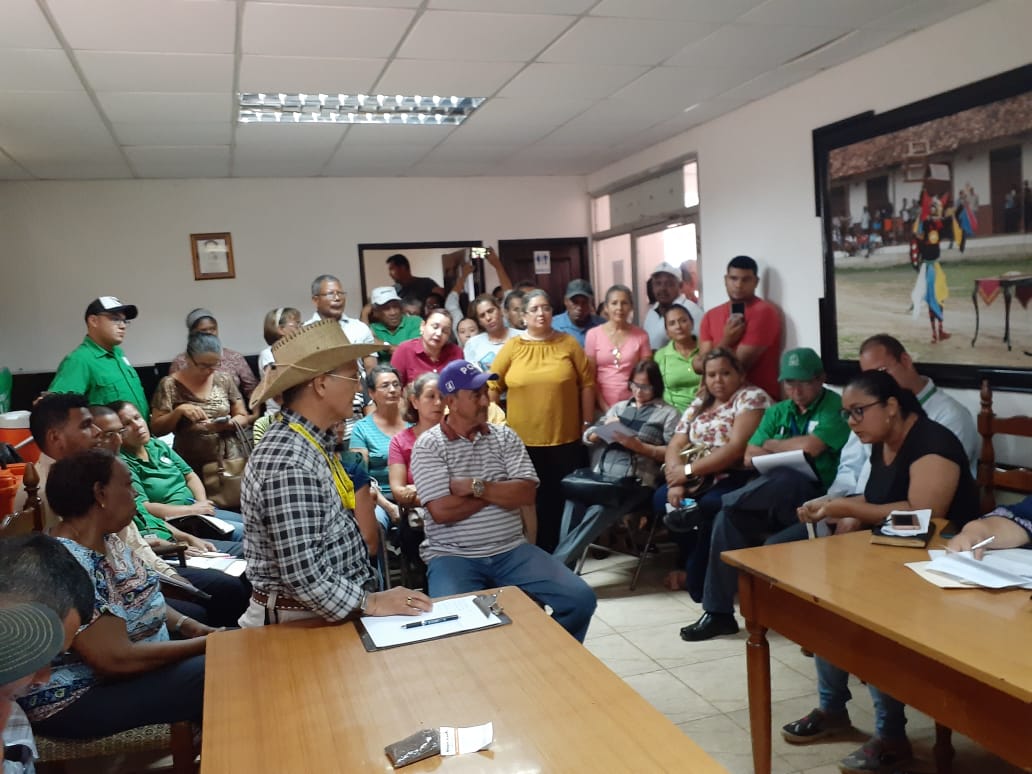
column 567, row 260
column 1004, row 176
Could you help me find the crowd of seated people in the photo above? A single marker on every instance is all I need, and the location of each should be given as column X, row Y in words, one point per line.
column 699, row 393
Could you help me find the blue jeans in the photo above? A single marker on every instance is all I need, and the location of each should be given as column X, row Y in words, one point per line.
column 582, row 523
column 833, row 689
column 236, row 520
column 538, row 573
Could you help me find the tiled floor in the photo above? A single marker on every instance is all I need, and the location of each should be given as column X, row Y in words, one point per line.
column 702, row 686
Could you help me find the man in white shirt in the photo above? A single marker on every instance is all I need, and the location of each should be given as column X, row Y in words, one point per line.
column 666, row 287
column 329, row 298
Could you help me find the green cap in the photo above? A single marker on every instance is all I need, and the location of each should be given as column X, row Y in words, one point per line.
column 800, row 365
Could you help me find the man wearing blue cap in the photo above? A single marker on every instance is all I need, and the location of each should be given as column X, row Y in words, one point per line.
column 473, row 478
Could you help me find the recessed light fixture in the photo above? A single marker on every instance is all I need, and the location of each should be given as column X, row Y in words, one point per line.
column 303, row 108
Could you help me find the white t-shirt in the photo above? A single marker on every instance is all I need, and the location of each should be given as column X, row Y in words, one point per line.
column 482, row 351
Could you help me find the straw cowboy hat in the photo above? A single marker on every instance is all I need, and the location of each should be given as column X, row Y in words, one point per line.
column 305, row 354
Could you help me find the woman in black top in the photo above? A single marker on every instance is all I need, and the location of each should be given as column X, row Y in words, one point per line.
column 915, row 462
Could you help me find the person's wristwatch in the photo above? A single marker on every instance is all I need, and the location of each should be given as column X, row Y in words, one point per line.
column 477, row 485
column 688, row 470
column 364, row 604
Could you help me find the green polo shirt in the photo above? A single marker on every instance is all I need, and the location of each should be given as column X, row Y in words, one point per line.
column 100, row 375
column 407, row 330
column 821, row 418
column 159, row 479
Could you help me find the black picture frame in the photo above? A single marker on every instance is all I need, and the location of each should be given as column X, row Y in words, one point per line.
column 993, row 95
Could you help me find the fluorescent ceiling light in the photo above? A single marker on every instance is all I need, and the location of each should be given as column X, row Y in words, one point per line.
column 305, row 108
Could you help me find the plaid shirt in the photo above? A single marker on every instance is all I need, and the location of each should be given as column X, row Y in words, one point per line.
column 299, row 539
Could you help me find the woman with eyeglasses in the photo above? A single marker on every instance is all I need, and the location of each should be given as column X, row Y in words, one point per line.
column 675, row 358
column 550, row 402
column 645, row 424
column 915, row 462
column 432, row 351
column 202, row 406
column 232, row 363
column 615, row 348
column 719, row 422
column 371, row 435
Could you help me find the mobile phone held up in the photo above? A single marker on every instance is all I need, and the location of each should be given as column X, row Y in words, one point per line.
column 478, row 253
column 738, row 307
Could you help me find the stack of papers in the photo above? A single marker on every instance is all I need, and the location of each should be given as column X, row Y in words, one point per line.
column 1003, row 569
column 210, row 560
column 391, row 630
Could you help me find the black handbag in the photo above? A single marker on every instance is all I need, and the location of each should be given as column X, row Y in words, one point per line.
column 592, row 487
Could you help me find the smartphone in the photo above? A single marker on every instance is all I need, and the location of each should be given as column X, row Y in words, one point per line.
column 738, row 307
column 220, row 420
column 478, row 252
column 904, row 520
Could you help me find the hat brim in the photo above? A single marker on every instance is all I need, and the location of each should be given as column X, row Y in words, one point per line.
column 476, row 382
column 31, row 635
column 279, row 378
column 129, row 310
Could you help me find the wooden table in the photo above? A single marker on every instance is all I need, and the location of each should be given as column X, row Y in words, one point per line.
column 292, row 698
column 962, row 656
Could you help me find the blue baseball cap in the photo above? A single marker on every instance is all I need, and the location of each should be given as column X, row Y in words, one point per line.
column 462, row 375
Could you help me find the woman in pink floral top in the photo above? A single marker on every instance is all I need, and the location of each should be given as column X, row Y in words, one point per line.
column 722, row 418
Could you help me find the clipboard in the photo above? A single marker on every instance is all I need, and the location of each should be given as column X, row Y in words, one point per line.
column 475, row 612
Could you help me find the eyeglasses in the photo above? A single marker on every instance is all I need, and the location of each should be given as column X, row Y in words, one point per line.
column 857, row 412
column 395, row 385
column 634, row 386
column 110, row 435
column 120, row 321
column 332, row 294
column 207, row 366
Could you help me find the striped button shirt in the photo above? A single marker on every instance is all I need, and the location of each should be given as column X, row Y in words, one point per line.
column 299, row 539
column 495, row 453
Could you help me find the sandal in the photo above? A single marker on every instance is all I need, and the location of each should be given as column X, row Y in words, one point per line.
column 817, row 725
column 876, row 755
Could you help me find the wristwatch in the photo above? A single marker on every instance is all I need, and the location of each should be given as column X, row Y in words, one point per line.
column 688, row 470
column 365, row 601
column 478, row 487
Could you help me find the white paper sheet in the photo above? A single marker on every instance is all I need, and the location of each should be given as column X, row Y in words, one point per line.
column 991, row 572
column 389, row 630
column 794, row 460
column 222, row 562
column 613, row 432
column 459, row 741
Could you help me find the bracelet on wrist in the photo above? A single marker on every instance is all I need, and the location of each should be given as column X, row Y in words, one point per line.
column 179, row 624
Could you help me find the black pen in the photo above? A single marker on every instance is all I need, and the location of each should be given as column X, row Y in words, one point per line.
column 428, row 621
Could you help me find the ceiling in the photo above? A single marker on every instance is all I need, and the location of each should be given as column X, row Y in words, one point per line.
column 146, row 88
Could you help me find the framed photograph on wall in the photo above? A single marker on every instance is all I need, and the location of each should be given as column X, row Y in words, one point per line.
column 927, row 220
column 212, row 256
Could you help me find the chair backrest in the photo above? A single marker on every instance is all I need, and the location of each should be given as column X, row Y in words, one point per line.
column 991, row 476
column 30, row 517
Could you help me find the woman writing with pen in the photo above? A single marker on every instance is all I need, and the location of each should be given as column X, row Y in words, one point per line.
column 1007, row 526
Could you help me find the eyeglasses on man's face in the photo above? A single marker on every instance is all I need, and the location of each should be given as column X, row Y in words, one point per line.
column 110, row 435
column 117, row 319
column 332, row 294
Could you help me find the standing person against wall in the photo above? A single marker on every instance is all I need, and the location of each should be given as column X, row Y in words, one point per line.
column 551, row 399
column 615, row 348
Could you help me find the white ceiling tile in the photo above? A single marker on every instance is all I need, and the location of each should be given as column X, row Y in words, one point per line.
column 11, row 171
column 167, row 26
column 515, row 6
column 481, row 37
column 362, row 3
column 120, row 71
column 821, row 13
column 256, row 164
column 682, row 86
column 24, row 26
column 94, row 164
column 24, row 69
column 355, row 159
column 546, row 79
column 30, row 111
column 169, row 134
column 854, row 44
column 129, row 107
column 442, row 168
column 768, row 83
column 624, row 41
column 753, row 47
column 397, row 134
column 606, row 123
column 518, row 120
column 290, row 139
column 308, row 74
column 150, row 161
column 452, row 150
column 421, row 76
column 683, row 10
column 921, row 13
column 323, row 31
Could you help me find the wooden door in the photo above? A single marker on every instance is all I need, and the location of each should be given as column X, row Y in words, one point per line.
column 1004, row 175
column 569, row 261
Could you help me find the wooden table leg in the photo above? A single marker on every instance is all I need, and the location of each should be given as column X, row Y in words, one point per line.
column 757, row 661
column 943, row 751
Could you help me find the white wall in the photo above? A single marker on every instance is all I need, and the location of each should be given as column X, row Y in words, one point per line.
column 756, row 165
column 64, row 243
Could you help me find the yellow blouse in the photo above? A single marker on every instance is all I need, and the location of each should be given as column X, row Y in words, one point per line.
column 544, row 380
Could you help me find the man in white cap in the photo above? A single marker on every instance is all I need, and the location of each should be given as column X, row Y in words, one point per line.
column 666, row 288
column 305, row 554
column 473, row 479
column 98, row 368
column 391, row 326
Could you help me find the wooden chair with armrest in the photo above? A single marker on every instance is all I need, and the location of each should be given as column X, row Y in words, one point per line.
column 55, row 753
column 992, row 477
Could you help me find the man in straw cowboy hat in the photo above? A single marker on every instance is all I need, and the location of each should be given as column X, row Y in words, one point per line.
column 305, row 554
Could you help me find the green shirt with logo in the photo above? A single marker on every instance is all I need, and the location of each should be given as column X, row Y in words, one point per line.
column 102, row 376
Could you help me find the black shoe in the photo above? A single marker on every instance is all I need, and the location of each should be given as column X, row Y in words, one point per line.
column 710, row 625
column 683, row 519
